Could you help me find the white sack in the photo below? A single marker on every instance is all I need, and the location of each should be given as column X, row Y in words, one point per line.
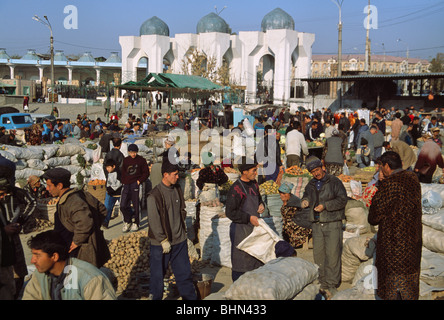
column 356, row 215
column 221, row 252
column 57, row 161
column 21, row 164
column 435, row 221
column 261, row 242
column 434, row 187
column 25, row 173
column 432, row 268
column 431, row 202
column 37, row 164
column 432, row 239
column 279, row 279
column 49, row 151
column 354, row 252
column 97, row 172
column 70, row 150
column 72, row 169
column 206, row 235
column 8, row 155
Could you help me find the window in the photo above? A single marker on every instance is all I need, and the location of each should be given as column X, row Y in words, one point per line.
column 22, row 119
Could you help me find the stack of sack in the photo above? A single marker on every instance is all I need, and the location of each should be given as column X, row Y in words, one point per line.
column 433, row 217
column 279, row 279
column 35, row 160
column 359, row 252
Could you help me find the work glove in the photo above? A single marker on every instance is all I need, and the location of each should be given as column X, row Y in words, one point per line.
column 166, row 246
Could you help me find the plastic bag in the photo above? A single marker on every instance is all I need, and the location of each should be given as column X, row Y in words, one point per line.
column 345, row 170
column 431, row 202
column 356, row 188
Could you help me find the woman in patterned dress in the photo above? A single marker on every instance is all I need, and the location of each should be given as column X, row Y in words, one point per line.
column 296, row 227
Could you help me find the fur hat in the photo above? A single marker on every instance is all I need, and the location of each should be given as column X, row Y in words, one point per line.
column 313, row 163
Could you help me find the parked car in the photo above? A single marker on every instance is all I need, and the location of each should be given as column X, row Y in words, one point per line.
column 14, row 121
column 40, row 117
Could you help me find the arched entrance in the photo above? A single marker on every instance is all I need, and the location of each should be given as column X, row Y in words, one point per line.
column 142, row 68
column 265, row 79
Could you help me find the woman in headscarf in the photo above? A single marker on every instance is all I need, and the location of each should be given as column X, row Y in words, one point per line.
column 296, row 226
column 333, row 155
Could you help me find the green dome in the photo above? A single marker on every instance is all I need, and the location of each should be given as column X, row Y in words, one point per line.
column 154, row 26
column 60, row 56
column 212, row 23
column 277, row 19
column 87, row 57
column 3, row 54
column 30, row 55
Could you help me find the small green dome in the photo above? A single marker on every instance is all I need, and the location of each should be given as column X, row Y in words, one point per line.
column 212, row 23
column 154, row 26
column 277, row 19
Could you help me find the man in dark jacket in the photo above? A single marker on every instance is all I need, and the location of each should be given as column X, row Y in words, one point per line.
column 168, row 236
column 135, row 171
column 243, row 207
column 326, row 197
column 114, row 154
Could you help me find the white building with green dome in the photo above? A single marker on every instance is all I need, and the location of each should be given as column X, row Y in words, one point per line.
column 280, row 52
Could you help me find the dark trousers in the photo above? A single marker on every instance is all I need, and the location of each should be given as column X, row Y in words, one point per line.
column 130, row 194
column 180, row 264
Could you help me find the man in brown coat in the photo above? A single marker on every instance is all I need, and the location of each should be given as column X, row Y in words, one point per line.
column 75, row 220
column 396, row 209
column 408, row 156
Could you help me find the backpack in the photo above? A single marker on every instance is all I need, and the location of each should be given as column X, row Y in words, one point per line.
column 97, row 208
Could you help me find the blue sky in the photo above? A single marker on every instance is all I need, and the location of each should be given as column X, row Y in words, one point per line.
column 419, row 24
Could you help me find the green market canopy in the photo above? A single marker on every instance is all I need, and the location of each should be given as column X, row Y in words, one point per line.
column 176, row 84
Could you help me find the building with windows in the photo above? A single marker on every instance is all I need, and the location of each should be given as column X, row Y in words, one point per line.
column 31, row 74
column 322, row 65
column 354, row 64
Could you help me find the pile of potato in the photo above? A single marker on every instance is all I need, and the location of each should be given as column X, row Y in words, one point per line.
column 36, row 224
column 269, row 187
column 130, row 263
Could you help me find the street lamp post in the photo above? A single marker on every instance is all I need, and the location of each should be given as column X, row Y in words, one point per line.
column 48, row 24
column 339, row 5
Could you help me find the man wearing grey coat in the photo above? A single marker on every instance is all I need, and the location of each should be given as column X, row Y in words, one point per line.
column 326, row 197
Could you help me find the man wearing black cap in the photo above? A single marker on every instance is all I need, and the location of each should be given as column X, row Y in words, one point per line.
column 135, row 171
column 243, row 207
column 326, row 196
column 75, row 220
column 168, row 236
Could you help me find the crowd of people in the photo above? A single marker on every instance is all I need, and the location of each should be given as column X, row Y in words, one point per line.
column 77, row 239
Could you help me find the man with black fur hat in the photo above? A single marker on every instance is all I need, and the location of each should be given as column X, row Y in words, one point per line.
column 326, row 197
column 243, row 207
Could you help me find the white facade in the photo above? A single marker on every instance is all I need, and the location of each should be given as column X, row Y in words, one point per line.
column 283, row 53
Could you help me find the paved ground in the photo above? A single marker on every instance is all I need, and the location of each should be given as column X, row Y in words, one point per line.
column 72, row 110
column 222, row 275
